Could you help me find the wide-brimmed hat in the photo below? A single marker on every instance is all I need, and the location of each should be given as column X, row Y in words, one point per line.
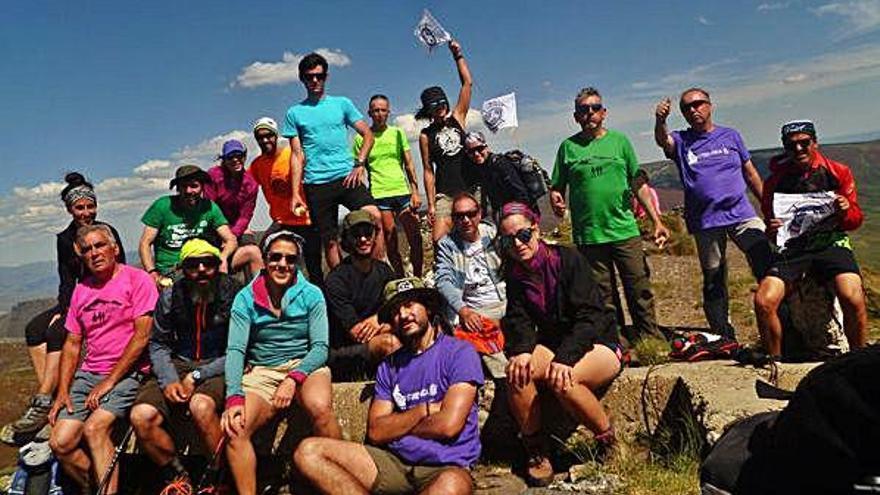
column 185, row 172
column 408, row 289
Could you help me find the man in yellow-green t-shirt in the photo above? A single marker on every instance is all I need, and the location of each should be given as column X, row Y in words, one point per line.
column 393, row 184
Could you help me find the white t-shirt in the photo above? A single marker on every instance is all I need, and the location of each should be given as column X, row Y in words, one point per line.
column 479, row 291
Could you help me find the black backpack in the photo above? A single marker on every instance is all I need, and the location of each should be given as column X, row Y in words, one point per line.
column 531, row 173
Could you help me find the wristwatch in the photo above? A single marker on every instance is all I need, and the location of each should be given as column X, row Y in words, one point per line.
column 359, row 163
column 197, row 376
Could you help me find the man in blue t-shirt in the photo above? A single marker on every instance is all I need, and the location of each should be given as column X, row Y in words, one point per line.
column 422, row 426
column 321, row 160
column 714, row 166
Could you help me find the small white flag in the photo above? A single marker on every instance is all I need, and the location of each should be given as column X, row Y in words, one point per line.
column 430, row 32
column 500, row 112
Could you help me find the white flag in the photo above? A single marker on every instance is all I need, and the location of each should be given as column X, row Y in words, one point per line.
column 430, row 32
column 500, row 112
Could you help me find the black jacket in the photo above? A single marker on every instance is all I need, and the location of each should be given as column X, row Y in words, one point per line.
column 353, row 296
column 502, row 184
column 577, row 320
column 70, row 267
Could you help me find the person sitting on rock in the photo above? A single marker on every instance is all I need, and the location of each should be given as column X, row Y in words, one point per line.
column 354, row 295
column 188, row 354
column 467, row 273
column 278, row 331
column 45, row 332
column 172, row 220
column 558, row 335
column 422, row 425
column 235, row 193
column 111, row 309
column 825, row 251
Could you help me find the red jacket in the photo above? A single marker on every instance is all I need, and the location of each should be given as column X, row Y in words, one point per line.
column 782, row 171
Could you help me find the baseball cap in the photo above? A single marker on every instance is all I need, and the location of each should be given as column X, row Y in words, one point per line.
column 266, row 123
column 232, row 146
column 795, row 126
column 356, row 217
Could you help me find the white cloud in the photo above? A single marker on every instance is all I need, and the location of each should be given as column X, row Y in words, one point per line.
column 285, row 70
column 795, row 78
column 859, row 16
column 766, row 7
column 704, row 21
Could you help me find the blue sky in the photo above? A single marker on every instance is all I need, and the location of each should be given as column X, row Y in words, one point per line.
column 126, row 91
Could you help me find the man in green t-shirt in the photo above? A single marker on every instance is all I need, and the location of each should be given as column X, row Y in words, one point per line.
column 600, row 167
column 172, row 220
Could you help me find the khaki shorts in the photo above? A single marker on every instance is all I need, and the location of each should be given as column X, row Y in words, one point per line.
column 397, row 477
column 264, row 380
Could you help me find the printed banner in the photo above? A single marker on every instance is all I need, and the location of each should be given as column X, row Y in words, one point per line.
column 430, row 32
column 800, row 213
column 500, row 112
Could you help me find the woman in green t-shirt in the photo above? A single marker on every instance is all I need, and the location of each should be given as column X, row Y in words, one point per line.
column 393, row 184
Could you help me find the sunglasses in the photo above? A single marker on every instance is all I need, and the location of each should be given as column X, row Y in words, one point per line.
column 195, row 263
column 235, row 155
column 438, row 103
column 276, row 257
column 794, row 145
column 582, row 109
column 320, row 76
column 362, row 230
column 476, row 149
column 693, row 105
column 508, row 241
column 460, row 215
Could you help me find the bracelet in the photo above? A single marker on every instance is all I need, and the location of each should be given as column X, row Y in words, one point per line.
column 458, row 57
column 427, row 410
column 154, row 270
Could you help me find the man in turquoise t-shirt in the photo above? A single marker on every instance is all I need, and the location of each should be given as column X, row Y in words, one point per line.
column 172, row 220
column 320, row 158
column 601, row 168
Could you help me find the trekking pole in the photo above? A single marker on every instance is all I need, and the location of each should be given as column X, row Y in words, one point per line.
column 114, row 461
column 212, row 470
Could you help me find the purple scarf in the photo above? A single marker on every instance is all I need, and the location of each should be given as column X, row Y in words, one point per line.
column 540, row 277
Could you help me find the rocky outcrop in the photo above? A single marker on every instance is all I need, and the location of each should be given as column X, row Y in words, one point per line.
column 12, row 326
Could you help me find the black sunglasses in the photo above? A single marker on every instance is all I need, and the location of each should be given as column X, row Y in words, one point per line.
column 235, row 155
column 276, row 257
column 508, row 240
column 476, row 149
column 795, row 144
column 459, row 215
column 693, row 105
column 362, row 230
column 588, row 108
column 320, row 76
column 195, row 263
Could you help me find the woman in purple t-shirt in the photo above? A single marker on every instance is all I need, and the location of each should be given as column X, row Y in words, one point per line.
column 558, row 334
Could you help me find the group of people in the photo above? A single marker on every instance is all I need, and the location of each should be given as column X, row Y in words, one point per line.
column 183, row 335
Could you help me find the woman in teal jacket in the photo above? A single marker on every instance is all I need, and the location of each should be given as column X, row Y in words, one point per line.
column 278, row 329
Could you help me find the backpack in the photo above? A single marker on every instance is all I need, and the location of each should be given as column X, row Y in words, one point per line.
column 532, row 175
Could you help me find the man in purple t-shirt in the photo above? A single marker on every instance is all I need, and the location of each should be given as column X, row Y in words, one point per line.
column 422, row 424
column 714, row 166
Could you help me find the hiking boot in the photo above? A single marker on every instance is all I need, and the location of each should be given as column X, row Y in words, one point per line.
column 539, row 470
column 36, row 416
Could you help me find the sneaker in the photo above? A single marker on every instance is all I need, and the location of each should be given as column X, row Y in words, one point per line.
column 35, row 417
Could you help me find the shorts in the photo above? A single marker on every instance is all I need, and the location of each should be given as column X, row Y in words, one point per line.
column 118, row 401
column 393, row 203
column 38, row 331
column 443, row 204
column 151, row 393
column 324, row 201
column 264, row 380
column 825, row 264
column 395, row 476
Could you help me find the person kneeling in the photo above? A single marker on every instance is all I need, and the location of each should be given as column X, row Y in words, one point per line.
column 423, row 419
column 187, row 351
column 574, row 351
column 279, row 331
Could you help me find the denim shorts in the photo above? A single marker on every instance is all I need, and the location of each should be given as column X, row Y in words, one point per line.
column 393, row 203
column 118, row 401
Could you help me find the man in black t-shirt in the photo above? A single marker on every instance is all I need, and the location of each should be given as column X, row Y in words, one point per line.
column 354, row 295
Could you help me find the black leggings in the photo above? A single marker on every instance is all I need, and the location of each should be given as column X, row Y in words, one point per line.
column 39, row 332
